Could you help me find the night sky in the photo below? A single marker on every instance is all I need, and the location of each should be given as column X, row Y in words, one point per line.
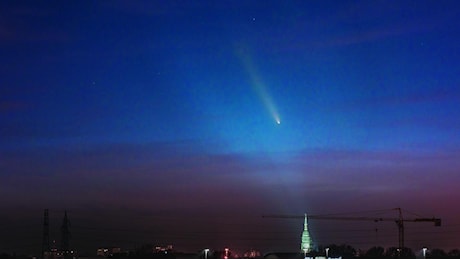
column 183, row 122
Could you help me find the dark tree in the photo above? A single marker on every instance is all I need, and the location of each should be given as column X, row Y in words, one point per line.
column 454, row 254
column 394, row 252
column 375, row 252
column 5, row 256
column 407, row 253
column 344, row 251
column 216, row 254
column 436, row 253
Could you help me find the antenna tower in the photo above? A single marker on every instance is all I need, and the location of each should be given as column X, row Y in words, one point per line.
column 65, row 235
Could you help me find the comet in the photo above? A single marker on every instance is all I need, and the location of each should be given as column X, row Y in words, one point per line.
column 259, row 86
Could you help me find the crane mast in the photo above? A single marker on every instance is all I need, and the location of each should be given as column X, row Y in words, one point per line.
column 399, row 221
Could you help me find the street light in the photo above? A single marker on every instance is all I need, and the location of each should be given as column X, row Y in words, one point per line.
column 327, row 252
column 206, row 253
column 424, row 251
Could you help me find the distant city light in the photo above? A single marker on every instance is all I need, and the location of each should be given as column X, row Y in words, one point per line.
column 424, row 252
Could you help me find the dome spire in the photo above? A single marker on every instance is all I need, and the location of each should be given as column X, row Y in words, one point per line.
column 307, row 244
column 305, row 224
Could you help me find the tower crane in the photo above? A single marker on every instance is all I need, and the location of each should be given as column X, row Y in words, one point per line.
column 399, row 221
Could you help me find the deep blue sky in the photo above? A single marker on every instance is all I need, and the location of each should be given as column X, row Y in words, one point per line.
column 155, row 113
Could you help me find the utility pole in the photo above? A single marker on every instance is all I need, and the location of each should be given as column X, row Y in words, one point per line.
column 400, row 224
column 46, row 234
